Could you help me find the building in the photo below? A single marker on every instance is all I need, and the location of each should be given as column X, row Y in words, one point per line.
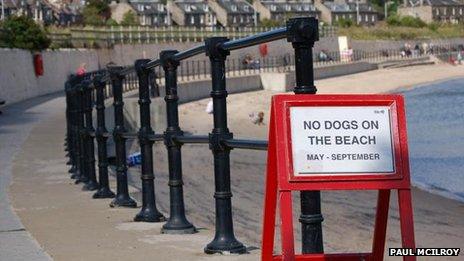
column 62, row 14
column 234, row 12
column 333, row 12
column 12, row 7
column 151, row 12
column 450, row 11
column 44, row 12
column 195, row 13
column 282, row 10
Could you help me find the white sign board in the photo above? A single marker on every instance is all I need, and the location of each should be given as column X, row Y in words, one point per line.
column 341, row 140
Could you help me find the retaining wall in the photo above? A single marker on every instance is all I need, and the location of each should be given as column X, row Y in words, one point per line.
column 17, row 78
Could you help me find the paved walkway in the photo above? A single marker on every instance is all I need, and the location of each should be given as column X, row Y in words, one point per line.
column 67, row 223
column 16, row 123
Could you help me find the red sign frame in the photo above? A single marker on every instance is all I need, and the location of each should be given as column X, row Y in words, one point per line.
column 280, row 180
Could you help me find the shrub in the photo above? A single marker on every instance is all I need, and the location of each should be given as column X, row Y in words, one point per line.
column 111, row 22
column 407, row 21
column 394, row 20
column 410, row 21
column 345, row 23
column 129, row 18
column 22, row 32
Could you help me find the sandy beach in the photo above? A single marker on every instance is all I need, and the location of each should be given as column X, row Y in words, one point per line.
column 349, row 216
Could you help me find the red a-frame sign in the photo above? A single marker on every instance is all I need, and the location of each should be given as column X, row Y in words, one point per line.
column 336, row 142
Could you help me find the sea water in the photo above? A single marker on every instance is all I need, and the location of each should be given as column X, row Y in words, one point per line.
column 435, row 120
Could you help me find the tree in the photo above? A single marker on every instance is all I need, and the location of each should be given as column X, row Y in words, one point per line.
column 22, row 32
column 129, row 18
column 92, row 17
column 96, row 12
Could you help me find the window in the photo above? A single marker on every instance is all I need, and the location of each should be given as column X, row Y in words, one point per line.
column 288, row 7
column 246, row 8
column 160, row 7
column 336, row 17
column 460, row 11
column 202, row 19
column 155, row 19
column 206, row 8
column 235, row 19
column 373, row 18
column 273, row 8
column 234, row 8
column 366, row 18
column 192, row 19
column 187, row 8
column 241, row 19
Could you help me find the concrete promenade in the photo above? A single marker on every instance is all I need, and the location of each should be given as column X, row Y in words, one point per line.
column 65, row 220
column 16, row 124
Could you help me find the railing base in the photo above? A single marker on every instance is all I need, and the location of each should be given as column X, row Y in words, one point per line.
column 123, row 201
column 104, row 193
column 177, row 228
column 90, row 186
column 149, row 215
column 225, row 247
column 72, row 170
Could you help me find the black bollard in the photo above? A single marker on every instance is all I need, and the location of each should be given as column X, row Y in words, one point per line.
column 149, row 212
column 177, row 222
column 122, row 198
column 302, row 33
column 74, row 102
column 67, row 139
column 83, row 177
column 92, row 183
column 224, row 239
column 70, row 127
column 101, row 134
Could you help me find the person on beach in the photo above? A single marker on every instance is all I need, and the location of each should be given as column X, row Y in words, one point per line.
column 257, row 118
column 81, row 70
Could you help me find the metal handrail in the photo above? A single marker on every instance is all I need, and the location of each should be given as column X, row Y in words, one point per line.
column 255, row 39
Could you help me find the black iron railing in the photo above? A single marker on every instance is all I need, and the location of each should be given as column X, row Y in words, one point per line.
column 89, row 91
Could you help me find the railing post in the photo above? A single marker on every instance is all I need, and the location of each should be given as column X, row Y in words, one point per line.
column 70, row 144
column 148, row 212
column 83, row 177
column 177, row 223
column 122, row 198
column 101, row 134
column 89, row 144
column 224, row 239
column 302, row 33
column 74, row 111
